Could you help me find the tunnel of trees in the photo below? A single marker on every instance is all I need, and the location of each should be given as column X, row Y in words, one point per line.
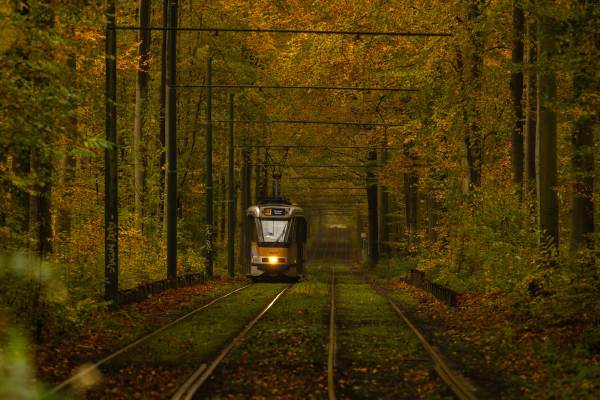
column 476, row 166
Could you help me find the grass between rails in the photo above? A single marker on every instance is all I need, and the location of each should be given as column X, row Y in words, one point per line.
column 378, row 356
column 506, row 353
column 285, row 355
column 58, row 356
column 157, row 367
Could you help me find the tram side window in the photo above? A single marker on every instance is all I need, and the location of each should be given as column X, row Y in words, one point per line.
column 274, row 230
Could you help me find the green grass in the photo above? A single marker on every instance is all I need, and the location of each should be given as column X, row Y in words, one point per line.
column 378, row 356
column 285, row 354
column 200, row 336
column 388, row 268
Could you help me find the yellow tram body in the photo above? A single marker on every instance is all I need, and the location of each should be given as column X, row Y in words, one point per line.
column 276, row 234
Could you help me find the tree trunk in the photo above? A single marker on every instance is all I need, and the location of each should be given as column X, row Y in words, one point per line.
column 22, row 167
column 141, row 102
column 546, row 161
column 63, row 216
column 372, row 210
column 472, row 139
column 516, row 86
column 223, row 208
column 582, row 215
column 384, row 223
column 411, row 198
column 531, row 107
column 40, row 205
column 432, row 217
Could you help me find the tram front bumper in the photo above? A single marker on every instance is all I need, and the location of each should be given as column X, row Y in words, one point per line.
column 272, row 266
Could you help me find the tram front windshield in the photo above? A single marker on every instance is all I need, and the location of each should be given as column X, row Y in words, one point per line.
column 274, row 230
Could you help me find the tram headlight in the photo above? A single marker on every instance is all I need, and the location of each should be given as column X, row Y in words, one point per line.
column 272, row 260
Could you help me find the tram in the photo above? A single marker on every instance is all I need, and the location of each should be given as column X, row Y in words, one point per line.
column 275, row 238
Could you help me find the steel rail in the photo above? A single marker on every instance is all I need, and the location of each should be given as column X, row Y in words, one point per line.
column 200, row 375
column 301, row 87
column 456, row 382
column 281, row 30
column 137, row 342
column 332, row 340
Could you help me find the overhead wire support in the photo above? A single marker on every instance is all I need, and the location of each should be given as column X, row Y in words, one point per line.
column 307, row 122
column 323, row 146
column 323, row 178
column 217, row 30
column 319, row 165
column 303, row 87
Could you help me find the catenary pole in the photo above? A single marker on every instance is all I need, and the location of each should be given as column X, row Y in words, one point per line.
column 232, row 199
column 209, row 174
column 171, row 119
column 111, row 211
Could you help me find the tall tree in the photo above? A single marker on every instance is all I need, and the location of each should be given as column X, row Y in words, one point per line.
column 531, row 104
column 472, row 81
column 373, row 255
column 546, row 157
column 141, row 103
column 582, row 214
column 516, row 88
column 411, row 197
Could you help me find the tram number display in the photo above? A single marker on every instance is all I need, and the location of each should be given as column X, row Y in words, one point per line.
column 274, row 212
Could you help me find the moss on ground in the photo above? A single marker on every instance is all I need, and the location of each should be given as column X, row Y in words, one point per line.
column 378, row 356
column 285, row 355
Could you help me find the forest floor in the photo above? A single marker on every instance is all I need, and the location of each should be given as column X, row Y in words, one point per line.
column 506, row 355
column 60, row 354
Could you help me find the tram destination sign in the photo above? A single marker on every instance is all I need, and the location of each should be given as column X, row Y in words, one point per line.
column 274, row 212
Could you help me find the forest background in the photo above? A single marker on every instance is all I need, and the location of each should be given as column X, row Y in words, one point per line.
column 489, row 175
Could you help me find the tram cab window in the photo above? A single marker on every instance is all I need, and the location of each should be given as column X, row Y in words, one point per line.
column 274, row 230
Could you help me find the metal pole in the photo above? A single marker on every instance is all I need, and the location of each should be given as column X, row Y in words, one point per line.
column 162, row 114
column 231, row 185
column 111, row 205
column 265, row 171
column 257, row 183
column 243, row 208
column 171, row 117
column 209, row 173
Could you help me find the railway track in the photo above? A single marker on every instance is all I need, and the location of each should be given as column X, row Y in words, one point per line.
column 455, row 381
column 142, row 339
column 191, row 386
column 336, row 250
column 459, row 386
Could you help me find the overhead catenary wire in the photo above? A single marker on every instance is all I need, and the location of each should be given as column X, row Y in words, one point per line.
column 305, row 122
column 301, row 87
column 320, row 146
column 318, row 165
column 218, row 30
